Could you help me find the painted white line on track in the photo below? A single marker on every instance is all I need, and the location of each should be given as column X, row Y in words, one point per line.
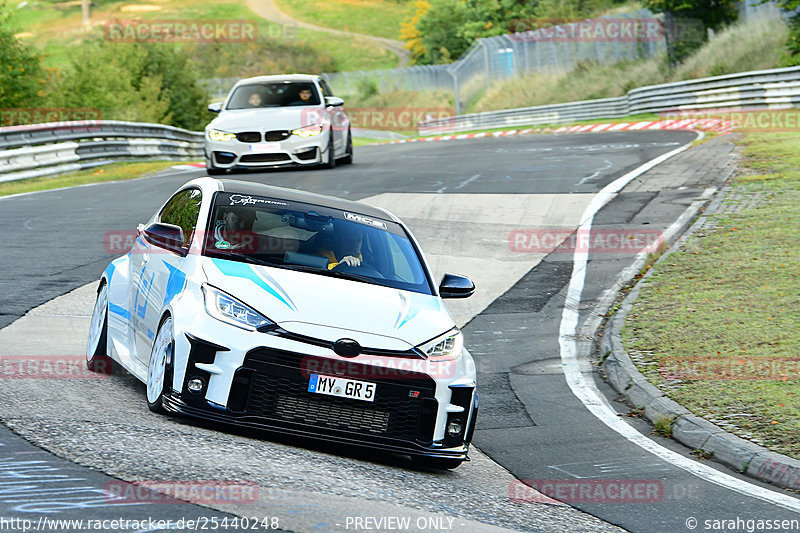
column 578, row 373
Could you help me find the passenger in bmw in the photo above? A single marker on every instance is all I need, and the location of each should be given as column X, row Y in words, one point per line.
column 344, row 248
column 255, row 100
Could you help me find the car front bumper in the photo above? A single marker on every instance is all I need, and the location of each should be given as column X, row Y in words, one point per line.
column 260, row 380
column 293, row 150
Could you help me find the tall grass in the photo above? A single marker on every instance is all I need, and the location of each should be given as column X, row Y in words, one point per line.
column 586, row 81
column 748, row 45
column 752, row 45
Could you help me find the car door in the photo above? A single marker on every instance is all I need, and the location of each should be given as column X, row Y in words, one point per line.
column 160, row 272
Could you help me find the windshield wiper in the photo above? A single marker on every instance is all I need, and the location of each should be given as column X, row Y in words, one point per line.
column 245, row 257
column 331, row 273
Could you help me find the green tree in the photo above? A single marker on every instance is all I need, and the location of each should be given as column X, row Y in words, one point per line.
column 447, row 28
column 179, row 85
column 22, row 78
column 133, row 81
column 113, row 78
column 793, row 42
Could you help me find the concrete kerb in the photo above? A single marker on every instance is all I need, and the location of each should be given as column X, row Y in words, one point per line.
column 688, row 429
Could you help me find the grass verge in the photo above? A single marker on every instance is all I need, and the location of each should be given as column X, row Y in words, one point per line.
column 112, row 172
column 58, row 30
column 715, row 326
column 380, row 18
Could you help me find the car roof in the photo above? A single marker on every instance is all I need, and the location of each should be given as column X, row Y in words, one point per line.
column 279, row 77
column 294, row 195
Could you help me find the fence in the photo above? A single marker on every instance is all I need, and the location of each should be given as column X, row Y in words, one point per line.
column 54, row 148
column 776, row 88
column 555, row 47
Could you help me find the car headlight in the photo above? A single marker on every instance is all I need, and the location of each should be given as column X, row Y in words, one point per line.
column 447, row 347
column 308, row 131
column 220, row 136
column 226, row 308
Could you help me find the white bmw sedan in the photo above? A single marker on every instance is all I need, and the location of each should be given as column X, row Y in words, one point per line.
column 272, row 121
column 294, row 312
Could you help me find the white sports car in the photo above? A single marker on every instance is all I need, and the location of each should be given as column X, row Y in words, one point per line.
column 271, row 121
column 272, row 308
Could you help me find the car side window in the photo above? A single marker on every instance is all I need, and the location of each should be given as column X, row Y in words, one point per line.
column 183, row 210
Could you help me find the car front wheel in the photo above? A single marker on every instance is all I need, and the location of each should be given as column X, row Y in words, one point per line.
column 348, row 158
column 211, row 170
column 331, row 161
column 96, row 358
column 159, row 367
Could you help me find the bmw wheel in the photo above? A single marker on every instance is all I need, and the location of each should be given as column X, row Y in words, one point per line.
column 331, row 162
column 348, row 158
column 160, row 366
column 97, row 359
column 211, row 170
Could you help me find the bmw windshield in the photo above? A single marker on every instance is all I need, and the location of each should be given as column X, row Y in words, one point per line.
column 273, row 94
column 315, row 239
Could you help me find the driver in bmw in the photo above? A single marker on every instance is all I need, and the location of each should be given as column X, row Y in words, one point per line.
column 345, row 249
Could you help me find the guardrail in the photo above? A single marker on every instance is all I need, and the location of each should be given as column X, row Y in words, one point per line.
column 46, row 149
column 776, row 88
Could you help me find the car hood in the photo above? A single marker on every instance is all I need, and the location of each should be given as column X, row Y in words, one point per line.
column 267, row 118
column 330, row 308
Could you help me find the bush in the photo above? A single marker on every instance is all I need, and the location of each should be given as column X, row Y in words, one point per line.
column 132, row 81
column 21, row 76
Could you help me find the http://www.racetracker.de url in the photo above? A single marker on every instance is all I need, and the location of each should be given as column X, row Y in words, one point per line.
column 201, row 523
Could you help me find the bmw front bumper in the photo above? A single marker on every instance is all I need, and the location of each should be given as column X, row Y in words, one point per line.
column 293, row 150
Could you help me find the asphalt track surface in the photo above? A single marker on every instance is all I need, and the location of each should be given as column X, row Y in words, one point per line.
column 530, row 422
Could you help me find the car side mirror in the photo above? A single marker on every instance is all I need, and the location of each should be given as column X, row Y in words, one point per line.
column 216, row 107
column 334, row 101
column 455, row 286
column 167, row 236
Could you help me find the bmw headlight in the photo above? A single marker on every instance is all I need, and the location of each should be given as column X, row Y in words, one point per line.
column 447, row 347
column 220, row 136
column 226, row 308
column 308, row 131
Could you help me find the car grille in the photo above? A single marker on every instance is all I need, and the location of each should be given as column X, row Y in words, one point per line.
column 249, row 137
column 277, row 135
column 263, row 158
column 278, row 391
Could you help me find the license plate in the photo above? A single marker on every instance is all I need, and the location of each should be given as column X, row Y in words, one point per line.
column 341, row 387
column 265, row 147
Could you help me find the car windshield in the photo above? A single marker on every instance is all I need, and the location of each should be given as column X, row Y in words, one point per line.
column 273, row 94
column 315, row 239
